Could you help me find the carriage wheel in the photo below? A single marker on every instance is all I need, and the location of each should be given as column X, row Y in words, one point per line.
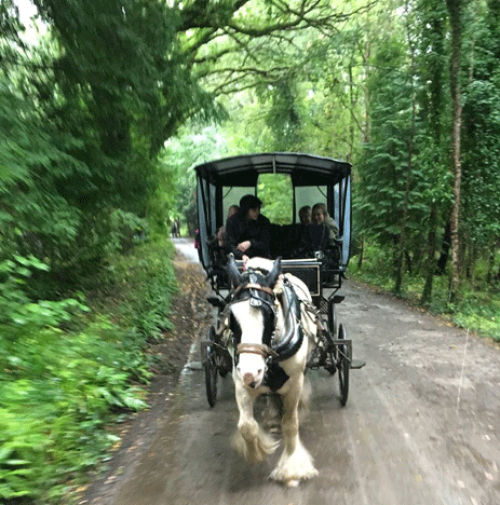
column 330, row 334
column 210, row 365
column 332, row 320
column 224, row 361
column 344, row 357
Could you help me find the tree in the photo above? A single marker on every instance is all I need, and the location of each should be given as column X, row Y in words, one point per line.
column 455, row 15
column 481, row 130
column 389, row 182
column 432, row 26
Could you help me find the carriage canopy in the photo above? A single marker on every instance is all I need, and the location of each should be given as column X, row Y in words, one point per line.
column 314, row 179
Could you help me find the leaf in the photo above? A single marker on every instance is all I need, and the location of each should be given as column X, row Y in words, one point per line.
column 5, row 452
column 134, row 403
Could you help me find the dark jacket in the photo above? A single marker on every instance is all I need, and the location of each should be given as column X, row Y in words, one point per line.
column 258, row 231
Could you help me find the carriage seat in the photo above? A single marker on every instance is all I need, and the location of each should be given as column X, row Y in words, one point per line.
column 290, row 241
column 297, row 241
column 284, row 240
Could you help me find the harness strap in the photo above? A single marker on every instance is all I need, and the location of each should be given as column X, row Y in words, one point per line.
column 251, row 285
column 261, row 349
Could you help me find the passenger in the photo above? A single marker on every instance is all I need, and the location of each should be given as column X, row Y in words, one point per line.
column 221, row 234
column 300, row 242
column 319, row 216
column 305, row 214
column 197, row 243
column 248, row 232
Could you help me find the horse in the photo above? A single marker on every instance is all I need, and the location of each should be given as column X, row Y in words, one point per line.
column 272, row 332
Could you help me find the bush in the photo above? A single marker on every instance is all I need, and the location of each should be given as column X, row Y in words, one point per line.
column 150, row 279
column 477, row 308
column 60, row 390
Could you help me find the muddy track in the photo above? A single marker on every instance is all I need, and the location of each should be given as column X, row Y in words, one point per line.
column 420, row 426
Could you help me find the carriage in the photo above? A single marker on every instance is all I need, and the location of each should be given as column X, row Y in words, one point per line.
column 220, row 184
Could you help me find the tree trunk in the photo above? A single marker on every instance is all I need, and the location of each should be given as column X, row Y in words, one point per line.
column 361, row 252
column 352, row 120
column 398, row 264
column 454, row 9
column 491, row 265
column 445, row 250
column 431, row 239
column 434, row 37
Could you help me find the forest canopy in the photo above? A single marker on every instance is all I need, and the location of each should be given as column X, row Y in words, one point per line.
column 91, row 113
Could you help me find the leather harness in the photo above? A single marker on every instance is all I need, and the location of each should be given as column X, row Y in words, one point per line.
column 253, row 285
column 265, row 350
column 275, row 376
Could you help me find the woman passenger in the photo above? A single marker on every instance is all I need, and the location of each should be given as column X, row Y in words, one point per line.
column 320, row 215
column 305, row 214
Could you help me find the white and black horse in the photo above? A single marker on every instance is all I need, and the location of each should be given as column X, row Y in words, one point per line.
column 272, row 330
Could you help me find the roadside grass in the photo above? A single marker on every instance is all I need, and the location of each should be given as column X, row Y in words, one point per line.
column 478, row 307
column 70, row 370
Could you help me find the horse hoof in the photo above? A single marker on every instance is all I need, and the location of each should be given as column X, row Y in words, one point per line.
column 292, row 483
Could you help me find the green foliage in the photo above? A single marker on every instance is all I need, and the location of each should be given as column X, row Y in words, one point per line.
column 19, row 314
column 277, row 195
column 283, row 115
column 385, row 165
column 480, row 314
column 82, row 119
column 27, row 151
column 149, row 276
column 477, row 310
column 481, row 117
column 376, row 268
column 197, row 145
column 56, row 396
column 59, row 389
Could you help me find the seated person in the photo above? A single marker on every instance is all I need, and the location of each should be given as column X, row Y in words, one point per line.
column 317, row 236
column 305, row 214
column 297, row 237
column 319, row 216
column 313, row 237
column 221, row 233
column 248, row 232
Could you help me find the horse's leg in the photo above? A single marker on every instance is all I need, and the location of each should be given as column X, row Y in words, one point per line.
column 273, row 412
column 305, row 400
column 295, row 462
column 250, row 440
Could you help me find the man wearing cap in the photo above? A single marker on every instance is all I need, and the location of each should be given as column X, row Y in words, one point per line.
column 248, row 232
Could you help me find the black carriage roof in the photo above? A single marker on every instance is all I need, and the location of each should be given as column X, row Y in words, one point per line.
column 304, row 169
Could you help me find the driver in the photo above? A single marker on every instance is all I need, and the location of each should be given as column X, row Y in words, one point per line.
column 248, row 232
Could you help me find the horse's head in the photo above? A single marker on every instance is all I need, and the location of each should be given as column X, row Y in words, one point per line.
column 252, row 317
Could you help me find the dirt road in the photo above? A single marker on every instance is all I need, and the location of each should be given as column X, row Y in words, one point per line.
column 421, row 426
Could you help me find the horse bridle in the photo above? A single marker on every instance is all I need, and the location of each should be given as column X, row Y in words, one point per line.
column 263, row 349
column 293, row 337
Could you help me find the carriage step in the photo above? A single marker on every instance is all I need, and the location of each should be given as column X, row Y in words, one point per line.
column 357, row 364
